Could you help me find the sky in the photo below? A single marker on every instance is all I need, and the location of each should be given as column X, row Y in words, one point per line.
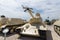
column 47, row 8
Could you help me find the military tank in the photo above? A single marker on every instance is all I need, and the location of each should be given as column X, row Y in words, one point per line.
column 34, row 27
column 57, row 27
column 10, row 23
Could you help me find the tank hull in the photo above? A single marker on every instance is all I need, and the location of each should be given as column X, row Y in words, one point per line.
column 32, row 31
column 42, row 36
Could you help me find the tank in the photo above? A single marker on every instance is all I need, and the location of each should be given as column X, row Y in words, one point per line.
column 10, row 23
column 34, row 27
column 57, row 27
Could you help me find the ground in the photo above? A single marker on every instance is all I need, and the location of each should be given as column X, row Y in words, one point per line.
column 55, row 36
column 52, row 35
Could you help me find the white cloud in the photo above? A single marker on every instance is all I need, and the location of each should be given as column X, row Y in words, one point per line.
column 13, row 8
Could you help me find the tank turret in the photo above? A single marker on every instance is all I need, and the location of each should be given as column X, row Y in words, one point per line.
column 34, row 20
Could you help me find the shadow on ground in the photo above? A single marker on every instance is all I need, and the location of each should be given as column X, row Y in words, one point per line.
column 49, row 35
column 7, row 35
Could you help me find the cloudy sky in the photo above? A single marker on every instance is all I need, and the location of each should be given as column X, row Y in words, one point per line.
column 47, row 8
